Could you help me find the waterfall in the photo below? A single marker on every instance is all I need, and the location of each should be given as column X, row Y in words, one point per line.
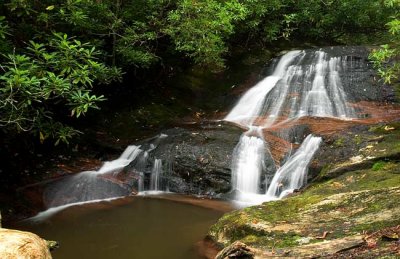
column 130, row 153
column 247, row 167
column 156, row 174
column 250, row 105
column 324, row 97
column 133, row 170
column 303, row 84
column 91, row 185
column 293, row 174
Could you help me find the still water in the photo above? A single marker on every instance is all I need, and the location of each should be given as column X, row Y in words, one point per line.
column 136, row 227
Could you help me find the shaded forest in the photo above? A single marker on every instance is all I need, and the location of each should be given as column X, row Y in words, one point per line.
column 61, row 60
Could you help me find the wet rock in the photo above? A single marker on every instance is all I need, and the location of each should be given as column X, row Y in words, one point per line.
column 236, row 250
column 198, row 160
column 358, row 148
column 20, row 244
column 84, row 186
column 348, row 202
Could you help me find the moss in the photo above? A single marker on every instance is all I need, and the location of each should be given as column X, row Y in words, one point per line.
column 372, row 227
column 325, row 171
column 339, row 142
column 364, row 196
column 390, row 128
column 345, row 205
column 276, row 239
column 359, row 180
column 358, row 139
column 378, row 165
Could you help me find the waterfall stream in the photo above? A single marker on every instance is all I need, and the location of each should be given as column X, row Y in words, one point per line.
column 292, row 175
column 303, row 84
column 156, row 174
column 135, row 169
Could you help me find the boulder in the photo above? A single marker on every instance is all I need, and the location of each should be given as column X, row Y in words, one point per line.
column 198, row 160
column 21, row 244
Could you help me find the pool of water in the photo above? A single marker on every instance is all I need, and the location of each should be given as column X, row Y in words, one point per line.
column 136, row 227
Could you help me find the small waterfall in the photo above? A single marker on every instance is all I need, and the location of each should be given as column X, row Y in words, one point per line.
column 141, row 183
column 250, row 105
column 129, row 172
column 130, row 153
column 247, row 164
column 156, row 175
column 325, row 96
column 293, row 174
column 303, row 83
column 91, row 185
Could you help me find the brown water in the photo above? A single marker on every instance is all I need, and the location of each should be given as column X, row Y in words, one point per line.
column 139, row 227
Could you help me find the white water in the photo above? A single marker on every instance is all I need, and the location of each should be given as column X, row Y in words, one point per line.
column 103, row 184
column 248, row 156
column 43, row 215
column 250, row 105
column 130, row 153
column 302, row 84
column 293, row 174
column 156, row 173
column 317, row 101
column 294, row 90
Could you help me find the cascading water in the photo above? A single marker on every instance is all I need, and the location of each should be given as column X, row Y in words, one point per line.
column 248, row 156
column 135, row 166
column 293, row 174
column 303, row 84
column 156, row 174
column 130, row 153
column 91, row 185
column 250, row 105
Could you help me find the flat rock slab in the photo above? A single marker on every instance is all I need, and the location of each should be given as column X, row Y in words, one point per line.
column 327, row 247
column 317, row 250
column 21, row 245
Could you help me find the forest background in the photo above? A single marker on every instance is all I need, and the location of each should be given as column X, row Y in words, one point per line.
column 61, row 59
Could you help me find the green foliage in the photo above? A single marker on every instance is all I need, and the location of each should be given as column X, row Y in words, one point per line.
column 130, row 45
column 337, row 19
column 54, row 75
column 3, row 27
column 199, row 28
column 264, row 19
column 386, row 59
column 334, row 20
column 59, row 72
column 140, row 33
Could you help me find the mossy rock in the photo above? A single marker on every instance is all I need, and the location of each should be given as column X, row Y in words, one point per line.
column 353, row 203
column 380, row 145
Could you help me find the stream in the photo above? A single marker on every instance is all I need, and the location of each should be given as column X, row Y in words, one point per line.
column 279, row 128
column 133, row 227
